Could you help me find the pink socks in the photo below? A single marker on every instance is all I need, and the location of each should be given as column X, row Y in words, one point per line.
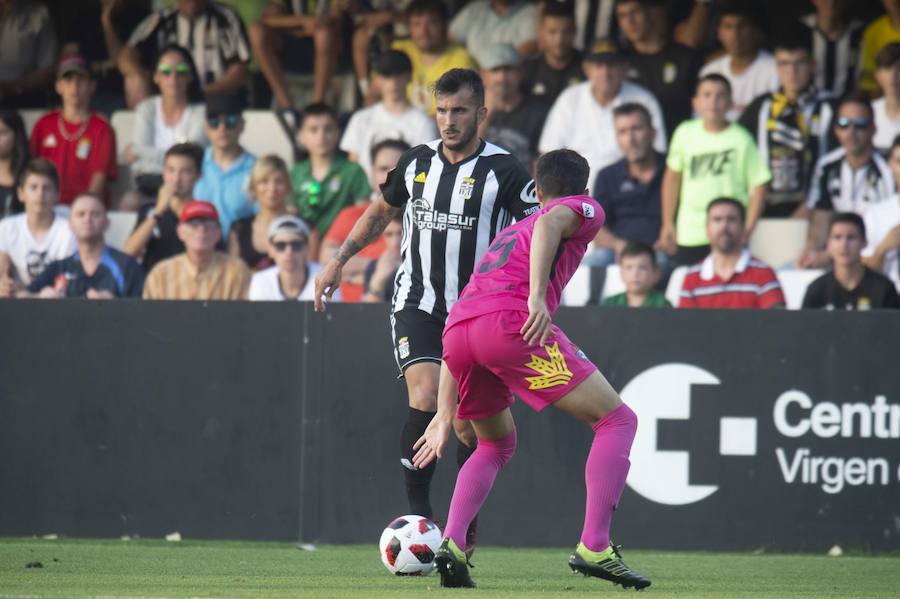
column 474, row 482
column 605, row 472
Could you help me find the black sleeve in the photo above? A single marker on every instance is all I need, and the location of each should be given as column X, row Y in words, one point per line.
column 46, row 278
column 134, row 279
column 143, row 211
column 394, row 188
column 601, row 194
column 815, row 294
column 516, row 193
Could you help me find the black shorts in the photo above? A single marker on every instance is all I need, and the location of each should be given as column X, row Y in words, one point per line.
column 417, row 338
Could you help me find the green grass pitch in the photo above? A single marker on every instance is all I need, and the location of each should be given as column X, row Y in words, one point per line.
column 147, row 568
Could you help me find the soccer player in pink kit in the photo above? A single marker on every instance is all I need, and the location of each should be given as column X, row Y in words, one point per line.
column 499, row 340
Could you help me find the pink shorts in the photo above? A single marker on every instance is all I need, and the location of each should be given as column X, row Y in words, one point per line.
column 490, row 361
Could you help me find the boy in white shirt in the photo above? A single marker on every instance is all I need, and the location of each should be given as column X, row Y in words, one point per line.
column 392, row 118
column 37, row 237
column 749, row 69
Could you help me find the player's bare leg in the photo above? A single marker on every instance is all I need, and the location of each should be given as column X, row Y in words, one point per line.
column 496, row 445
column 596, row 403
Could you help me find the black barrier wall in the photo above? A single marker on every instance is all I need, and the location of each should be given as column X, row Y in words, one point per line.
column 268, row 421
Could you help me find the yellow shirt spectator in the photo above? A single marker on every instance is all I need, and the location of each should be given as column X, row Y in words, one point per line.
column 424, row 76
column 877, row 35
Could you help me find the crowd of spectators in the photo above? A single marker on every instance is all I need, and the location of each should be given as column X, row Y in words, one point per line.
column 698, row 118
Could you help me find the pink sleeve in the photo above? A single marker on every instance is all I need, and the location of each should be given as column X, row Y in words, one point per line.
column 592, row 216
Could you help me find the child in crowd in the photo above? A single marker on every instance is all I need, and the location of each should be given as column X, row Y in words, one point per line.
column 709, row 157
column 80, row 143
column 155, row 237
column 637, row 265
column 326, row 182
column 32, row 240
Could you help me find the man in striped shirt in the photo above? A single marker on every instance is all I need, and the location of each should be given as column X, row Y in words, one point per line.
column 836, row 40
column 455, row 193
column 729, row 277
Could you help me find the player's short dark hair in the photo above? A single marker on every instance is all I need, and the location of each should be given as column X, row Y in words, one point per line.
column 888, row 57
column 434, row 7
column 850, row 218
column 455, row 80
column 562, row 173
column 714, row 78
column 42, row 168
column 384, row 144
column 630, row 108
column 858, row 98
column 724, row 201
column 188, row 150
column 559, row 8
column 638, row 248
column 318, row 109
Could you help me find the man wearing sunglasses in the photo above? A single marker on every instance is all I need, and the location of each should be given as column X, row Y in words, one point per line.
column 201, row 272
column 293, row 276
column 851, row 178
column 225, row 177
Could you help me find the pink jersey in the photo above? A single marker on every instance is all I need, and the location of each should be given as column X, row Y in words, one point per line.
column 501, row 278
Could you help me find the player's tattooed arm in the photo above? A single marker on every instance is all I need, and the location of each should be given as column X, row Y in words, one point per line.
column 367, row 229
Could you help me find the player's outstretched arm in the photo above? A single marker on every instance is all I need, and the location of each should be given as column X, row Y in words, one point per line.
column 366, row 230
column 552, row 227
column 431, row 444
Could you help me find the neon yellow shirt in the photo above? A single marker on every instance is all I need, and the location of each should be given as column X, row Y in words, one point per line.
column 877, row 35
column 423, row 77
column 712, row 165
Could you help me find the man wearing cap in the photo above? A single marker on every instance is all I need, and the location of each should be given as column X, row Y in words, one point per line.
column 79, row 142
column 201, row 272
column 225, row 174
column 514, row 120
column 582, row 117
column 293, row 276
column 392, row 118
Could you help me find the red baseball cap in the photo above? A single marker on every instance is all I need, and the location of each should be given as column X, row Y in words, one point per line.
column 72, row 64
column 196, row 209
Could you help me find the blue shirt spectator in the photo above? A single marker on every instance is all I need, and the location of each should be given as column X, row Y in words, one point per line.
column 632, row 207
column 118, row 273
column 229, row 189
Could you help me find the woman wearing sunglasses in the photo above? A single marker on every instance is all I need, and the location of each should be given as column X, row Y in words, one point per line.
column 270, row 186
column 174, row 115
column 292, row 277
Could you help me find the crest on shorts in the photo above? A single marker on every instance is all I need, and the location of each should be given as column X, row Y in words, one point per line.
column 552, row 372
column 466, row 188
column 403, row 347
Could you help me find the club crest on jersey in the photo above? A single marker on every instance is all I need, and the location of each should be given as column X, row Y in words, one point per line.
column 426, row 218
column 466, row 188
column 588, row 210
column 403, row 347
column 552, row 372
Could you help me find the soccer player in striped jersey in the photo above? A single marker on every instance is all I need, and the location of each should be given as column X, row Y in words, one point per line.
column 455, row 194
column 500, row 340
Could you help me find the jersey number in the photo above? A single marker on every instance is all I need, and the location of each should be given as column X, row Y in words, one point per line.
column 504, row 244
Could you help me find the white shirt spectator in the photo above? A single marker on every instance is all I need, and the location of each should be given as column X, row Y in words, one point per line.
column 371, row 125
column 758, row 79
column 478, row 27
column 29, row 255
column 577, row 122
column 152, row 137
column 879, row 220
column 265, row 286
column 885, row 128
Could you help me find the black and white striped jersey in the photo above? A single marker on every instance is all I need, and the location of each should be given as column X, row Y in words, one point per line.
column 835, row 186
column 452, row 213
column 837, row 62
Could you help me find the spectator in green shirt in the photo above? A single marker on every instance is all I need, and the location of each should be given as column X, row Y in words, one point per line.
column 326, row 182
column 709, row 157
column 640, row 273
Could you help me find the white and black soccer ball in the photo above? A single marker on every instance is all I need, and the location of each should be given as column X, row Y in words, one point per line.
column 408, row 545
